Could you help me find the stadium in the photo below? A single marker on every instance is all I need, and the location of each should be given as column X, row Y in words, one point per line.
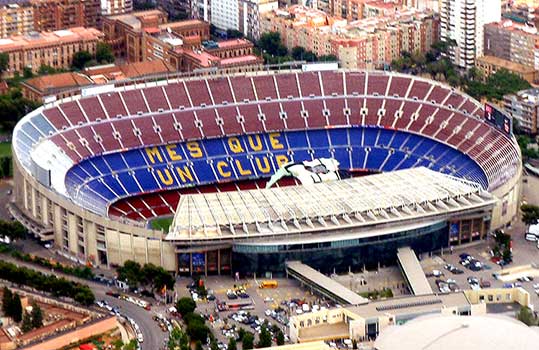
column 384, row 160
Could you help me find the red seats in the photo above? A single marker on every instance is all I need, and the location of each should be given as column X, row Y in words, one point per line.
column 265, row 87
column 288, row 85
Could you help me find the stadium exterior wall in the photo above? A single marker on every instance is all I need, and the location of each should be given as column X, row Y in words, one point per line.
column 83, row 234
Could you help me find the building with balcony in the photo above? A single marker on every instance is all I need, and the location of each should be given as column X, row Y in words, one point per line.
column 368, row 43
column 250, row 12
column 462, row 22
column 16, row 19
column 523, row 107
column 51, row 15
column 116, row 7
column 489, row 65
column 514, row 42
column 55, row 49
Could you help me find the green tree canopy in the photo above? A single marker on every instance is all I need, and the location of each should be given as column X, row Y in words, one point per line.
column 264, row 340
column 248, row 341
column 279, row 338
column 196, row 327
column 232, row 344
column 37, row 316
column 530, row 214
column 103, row 53
column 4, row 62
column 271, row 44
column 526, row 316
column 185, row 306
column 81, row 59
column 15, row 310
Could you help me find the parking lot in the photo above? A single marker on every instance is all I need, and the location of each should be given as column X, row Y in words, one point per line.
column 274, row 305
column 524, row 252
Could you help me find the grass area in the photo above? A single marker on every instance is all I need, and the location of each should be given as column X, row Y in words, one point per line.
column 161, row 223
column 5, row 149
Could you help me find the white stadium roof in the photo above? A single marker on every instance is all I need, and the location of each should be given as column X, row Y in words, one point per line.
column 417, row 193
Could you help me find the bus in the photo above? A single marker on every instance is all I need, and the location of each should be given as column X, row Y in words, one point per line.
column 269, row 284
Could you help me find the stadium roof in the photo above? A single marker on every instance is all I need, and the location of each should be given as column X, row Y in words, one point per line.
column 417, row 193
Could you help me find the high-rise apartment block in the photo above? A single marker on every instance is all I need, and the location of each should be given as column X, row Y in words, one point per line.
column 51, row 15
column 462, row 23
column 514, row 42
column 16, row 19
column 55, row 49
column 116, row 7
column 524, row 108
column 224, row 14
column 369, row 43
column 250, row 13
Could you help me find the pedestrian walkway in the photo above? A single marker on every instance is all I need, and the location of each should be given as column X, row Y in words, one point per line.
column 412, row 272
column 323, row 284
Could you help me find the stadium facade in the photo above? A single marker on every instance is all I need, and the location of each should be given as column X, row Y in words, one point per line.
column 92, row 171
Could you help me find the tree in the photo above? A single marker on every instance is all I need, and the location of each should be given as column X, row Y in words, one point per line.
column 196, row 327
column 279, row 338
column 26, row 323
column 271, row 44
column 248, row 341
column 81, row 59
column 530, row 214
column 241, row 333
column 526, row 316
column 7, row 296
column 37, row 316
column 232, row 344
column 132, row 345
column 233, row 34
column 16, row 308
column 103, row 53
column 198, row 345
column 214, row 345
column 131, row 273
column 4, row 62
column 177, row 339
column 264, row 340
column 185, row 306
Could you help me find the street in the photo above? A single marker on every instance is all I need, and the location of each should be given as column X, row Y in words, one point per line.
column 153, row 335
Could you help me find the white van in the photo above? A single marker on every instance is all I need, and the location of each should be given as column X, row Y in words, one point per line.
column 531, row 237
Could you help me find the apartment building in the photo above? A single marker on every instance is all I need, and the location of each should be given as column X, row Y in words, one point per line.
column 514, row 42
column 16, row 19
column 462, row 22
column 224, row 14
column 124, row 32
column 51, row 15
column 523, row 106
column 116, row 7
column 368, row 43
column 489, row 65
column 55, row 49
column 250, row 12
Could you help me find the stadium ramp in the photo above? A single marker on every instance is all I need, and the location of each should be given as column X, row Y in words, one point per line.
column 322, row 284
column 412, row 272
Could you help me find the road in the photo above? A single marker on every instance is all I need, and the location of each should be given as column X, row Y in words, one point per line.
column 153, row 335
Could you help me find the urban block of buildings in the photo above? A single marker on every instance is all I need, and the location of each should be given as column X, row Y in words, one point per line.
column 184, row 45
column 23, row 17
column 462, row 23
column 54, row 49
column 523, row 107
column 63, row 324
column 47, row 88
column 516, row 44
column 367, row 43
